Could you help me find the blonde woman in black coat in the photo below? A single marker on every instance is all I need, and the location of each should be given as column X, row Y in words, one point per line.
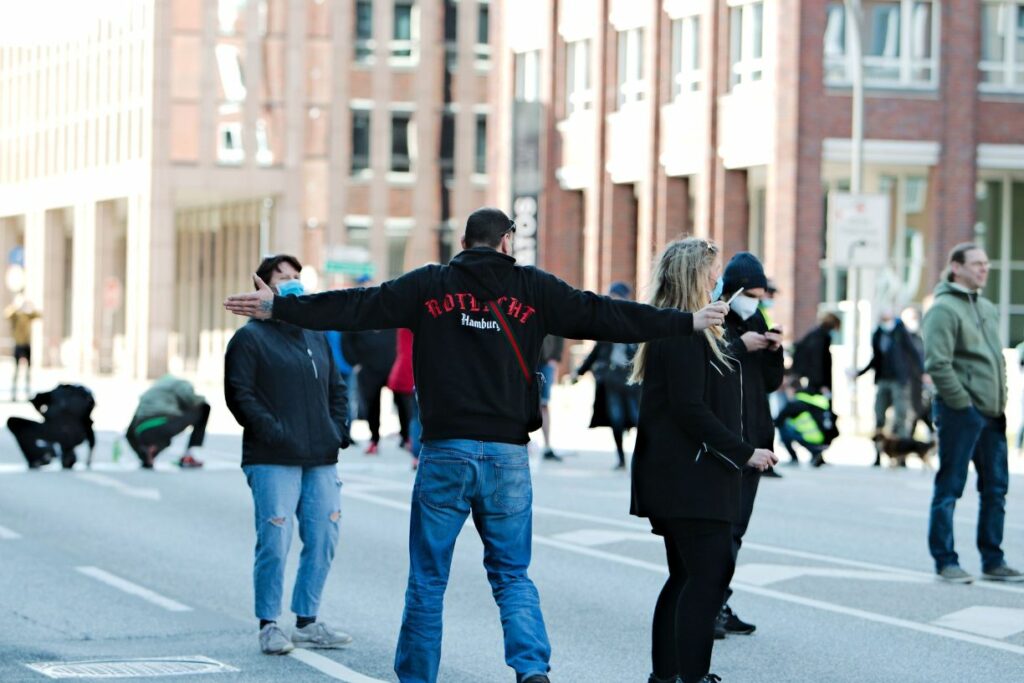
column 687, row 464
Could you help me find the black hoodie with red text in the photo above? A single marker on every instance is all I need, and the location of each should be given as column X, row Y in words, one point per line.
column 468, row 379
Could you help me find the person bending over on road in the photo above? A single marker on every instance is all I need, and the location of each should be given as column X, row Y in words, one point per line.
column 165, row 410
column 479, row 323
column 67, row 422
column 283, row 387
column 688, row 463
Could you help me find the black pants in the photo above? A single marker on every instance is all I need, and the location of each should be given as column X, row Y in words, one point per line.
column 370, row 386
column 161, row 435
column 751, row 478
column 37, row 439
column 699, row 566
column 403, row 403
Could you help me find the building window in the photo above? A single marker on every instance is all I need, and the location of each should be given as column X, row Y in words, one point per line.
column 632, row 87
column 451, row 33
column 746, row 43
column 686, row 70
column 364, row 31
column 1000, row 230
column 480, row 160
column 405, row 32
column 229, row 65
column 360, row 141
column 900, row 41
column 483, row 31
column 1002, row 45
column 528, row 76
column 448, row 145
column 398, row 241
column 229, row 143
column 401, row 161
column 579, row 94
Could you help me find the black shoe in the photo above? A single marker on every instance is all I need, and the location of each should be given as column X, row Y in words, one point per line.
column 654, row 679
column 720, row 627
column 818, row 461
column 711, row 678
column 733, row 624
column 539, row 678
column 771, row 473
column 550, row 455
column 620, row 466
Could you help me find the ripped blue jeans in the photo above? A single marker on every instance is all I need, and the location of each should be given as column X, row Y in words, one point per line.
column 281, row 494
column 490, row 481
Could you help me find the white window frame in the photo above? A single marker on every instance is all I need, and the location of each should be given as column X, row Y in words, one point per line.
column 482, row 51
column 577, row 65
column 687, row 71
column 632, row 84
column 410, row 143
column 905, row 63
column 527, row 78
column 229, row 66
column 369, row 45
column 230, row 155
column 412, row 45
column 744, row 67
column 1005, row 265
column 1009, row 67
column 485, row 114
column 366, row 108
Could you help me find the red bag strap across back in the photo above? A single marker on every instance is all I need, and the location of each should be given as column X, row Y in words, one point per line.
column 511, row 340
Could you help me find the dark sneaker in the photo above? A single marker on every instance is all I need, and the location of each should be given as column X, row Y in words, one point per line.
column 733, row 624
column 273, row 641
column 1002, row 573
column 720, row 627
column 771, row 473
column 654, row 679
column 711, row 678
column 954, row 574
column 550, row 455
column 537, row 678
column 320, row 635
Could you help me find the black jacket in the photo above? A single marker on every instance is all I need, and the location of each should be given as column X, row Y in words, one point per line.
column 67, row 409
column 468, row 379
column 609, row 378
column 762, row 374
column 812, row 359
column 689, row 454
column 282, row 385
column 373, row 350
column 895, row 358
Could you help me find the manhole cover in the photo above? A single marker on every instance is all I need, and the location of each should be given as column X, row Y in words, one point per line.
column 132, row 668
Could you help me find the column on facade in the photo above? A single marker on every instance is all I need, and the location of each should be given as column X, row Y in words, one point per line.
column 36, row 270
column 54, row 286
column 85, row 290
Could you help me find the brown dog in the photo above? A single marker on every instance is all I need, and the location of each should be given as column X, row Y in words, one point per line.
column 898, row 448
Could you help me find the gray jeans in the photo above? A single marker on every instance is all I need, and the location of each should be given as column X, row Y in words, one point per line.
column 894, row 394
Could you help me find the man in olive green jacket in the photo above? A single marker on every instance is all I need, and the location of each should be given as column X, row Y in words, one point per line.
column 165, row 410
column 964, row 357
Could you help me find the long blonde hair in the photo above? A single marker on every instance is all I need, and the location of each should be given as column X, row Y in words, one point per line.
column 681, row 282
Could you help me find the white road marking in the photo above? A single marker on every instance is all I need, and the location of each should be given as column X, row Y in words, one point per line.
column 757, row 574
column 119, row 486
column 134, row 589
column 8, row 534
column 993, row 622
column 592, row 537
column 918, row 514
column 132, row 668
column 330, row 667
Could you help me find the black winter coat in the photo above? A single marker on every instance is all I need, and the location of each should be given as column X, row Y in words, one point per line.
column 762, row 374
column 282, row 386
column 689, row 454
column 373, row 350
column 897, row 360
column 812, row 359
column 608, row 378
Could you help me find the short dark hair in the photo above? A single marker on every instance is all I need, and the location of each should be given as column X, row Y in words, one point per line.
column 958, row 254
column 831, row 321
column 270, row 264
column 485, row 227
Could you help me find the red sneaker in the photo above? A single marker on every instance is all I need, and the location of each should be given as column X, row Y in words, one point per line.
column 371, row 449
column 188, row 462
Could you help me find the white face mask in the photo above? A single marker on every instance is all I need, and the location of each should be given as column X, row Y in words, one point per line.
column 744, row 306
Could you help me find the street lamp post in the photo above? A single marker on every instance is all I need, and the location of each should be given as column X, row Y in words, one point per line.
column 854, row 14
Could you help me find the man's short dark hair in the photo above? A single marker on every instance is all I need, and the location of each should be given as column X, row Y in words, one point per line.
column 485, row 228
column 958, row 254
column 270, row 264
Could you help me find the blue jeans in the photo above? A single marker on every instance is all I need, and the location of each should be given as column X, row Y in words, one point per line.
column 790, row 435
column 965, row 436
column 279, row 494
column 458, row 477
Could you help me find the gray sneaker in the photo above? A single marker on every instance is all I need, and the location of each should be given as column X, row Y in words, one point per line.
column 1003, row 573
column 954, row 574
column 320, row 635
column 273, row 641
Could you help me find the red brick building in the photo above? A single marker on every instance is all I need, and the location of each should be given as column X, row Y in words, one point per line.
column 731, row 119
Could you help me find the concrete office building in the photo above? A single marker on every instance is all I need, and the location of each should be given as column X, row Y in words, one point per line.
column 152, row 150
column 731, row 119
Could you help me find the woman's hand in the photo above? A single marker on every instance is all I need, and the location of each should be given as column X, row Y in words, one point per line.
column 709, row 316
column 762, row 459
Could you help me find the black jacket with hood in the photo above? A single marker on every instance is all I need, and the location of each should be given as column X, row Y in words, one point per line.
column 468, row 379
column 281, row 384
column 762, row 373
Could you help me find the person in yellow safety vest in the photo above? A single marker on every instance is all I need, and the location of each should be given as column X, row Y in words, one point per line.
column 808, row 420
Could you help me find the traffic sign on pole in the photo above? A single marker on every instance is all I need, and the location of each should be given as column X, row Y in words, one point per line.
column 858, row 229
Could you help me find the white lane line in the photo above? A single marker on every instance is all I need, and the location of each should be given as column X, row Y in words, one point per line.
column 330, row 667
column 8, row 534
column 918, row 514
column 134, row 589
column 994, row 622
column 119, row 486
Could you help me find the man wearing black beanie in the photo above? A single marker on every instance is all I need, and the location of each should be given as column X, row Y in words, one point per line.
column 759, row 352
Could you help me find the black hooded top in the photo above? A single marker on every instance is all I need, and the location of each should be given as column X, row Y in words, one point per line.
column 468, row 379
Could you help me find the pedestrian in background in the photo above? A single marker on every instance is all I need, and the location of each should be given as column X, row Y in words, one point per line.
column 965, row 360
column 921, row 389
column 21, row 313
column 402, row 385
column 284, row 389
column 479, row 324
column 616, row 401
column 806, row 419
column 894, row 361
column 758, row 352
column 550, row 356
column 688, row 462
column 373, row 354
column 169, row 407
column 346, row 371
column 812, row 357
column 67, row 422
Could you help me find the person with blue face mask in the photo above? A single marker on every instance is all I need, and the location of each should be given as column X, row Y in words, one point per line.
column 282, row 385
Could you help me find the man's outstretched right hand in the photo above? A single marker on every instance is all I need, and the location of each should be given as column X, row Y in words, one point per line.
column 709, row 316
column 258, row 304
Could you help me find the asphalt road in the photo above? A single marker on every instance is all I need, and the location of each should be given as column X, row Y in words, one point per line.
column 120, row 563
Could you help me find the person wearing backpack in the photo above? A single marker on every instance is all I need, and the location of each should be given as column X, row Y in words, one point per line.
column 67, row 422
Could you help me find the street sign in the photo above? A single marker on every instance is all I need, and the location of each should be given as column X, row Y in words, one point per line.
column 353, row 268
column 858, row 229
